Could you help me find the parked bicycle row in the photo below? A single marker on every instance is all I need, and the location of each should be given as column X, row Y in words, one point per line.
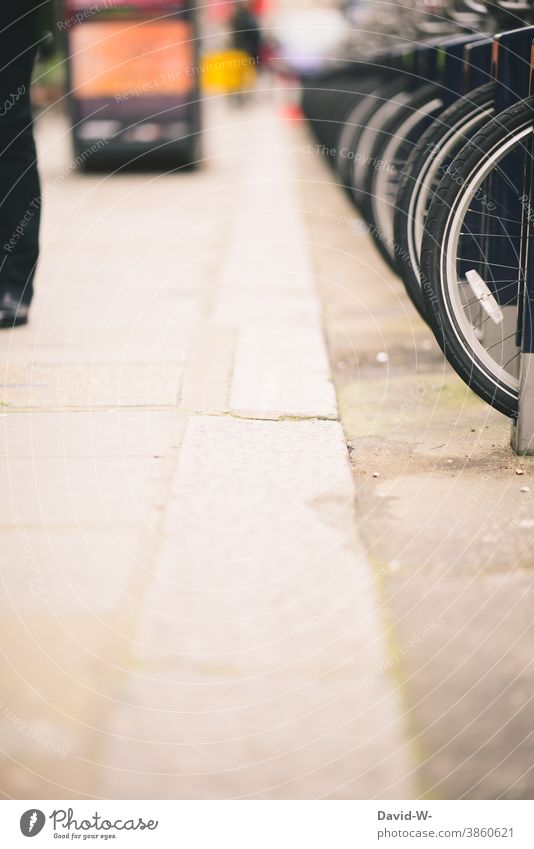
column 432, row 142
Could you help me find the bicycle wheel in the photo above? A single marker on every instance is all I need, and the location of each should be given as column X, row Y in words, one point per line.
column 381, row 106
column 390, row 150
column 328, row 106
column 471, row 264
column 421, row 175
column 355, row 122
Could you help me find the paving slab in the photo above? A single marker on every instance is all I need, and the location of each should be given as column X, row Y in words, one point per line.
column 103, row 433
column 287, row 681
column 78, row 490
column 92, row 385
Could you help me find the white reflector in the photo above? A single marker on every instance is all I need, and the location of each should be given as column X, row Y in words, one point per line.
column 485, row 297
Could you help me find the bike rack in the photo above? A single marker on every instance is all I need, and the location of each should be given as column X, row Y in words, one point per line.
column 457, row 65
column 452, row 64
column 477, row 64
column 511, row 64
column 523, row 427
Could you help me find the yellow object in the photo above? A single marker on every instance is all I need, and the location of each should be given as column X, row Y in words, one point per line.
column 228, row 71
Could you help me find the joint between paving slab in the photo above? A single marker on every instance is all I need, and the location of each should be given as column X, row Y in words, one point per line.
column 105, row 408
column 261, row 416
column 279, row 417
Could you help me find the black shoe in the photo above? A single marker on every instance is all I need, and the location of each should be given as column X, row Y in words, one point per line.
column 12, row 312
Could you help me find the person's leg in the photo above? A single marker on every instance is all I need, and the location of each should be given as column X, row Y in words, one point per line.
column 20, row 195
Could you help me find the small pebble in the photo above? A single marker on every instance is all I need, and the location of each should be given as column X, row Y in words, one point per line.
column 519, row 472
column 382, row 357
column 376, row 475
column 525, row 489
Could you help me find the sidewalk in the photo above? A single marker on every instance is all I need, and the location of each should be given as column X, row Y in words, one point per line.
column 187, row 608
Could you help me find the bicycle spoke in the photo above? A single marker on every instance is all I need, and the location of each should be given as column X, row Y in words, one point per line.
column 500, row 341
column 511, row 359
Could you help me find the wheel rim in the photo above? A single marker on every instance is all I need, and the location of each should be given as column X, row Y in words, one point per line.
column 467, row 334
column 385, row 186
column 427, row 181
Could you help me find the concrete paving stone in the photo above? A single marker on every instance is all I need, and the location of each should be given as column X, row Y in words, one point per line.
column 62, row 315
column 207, row 378
column 277, row 256
column 470, row 680
column 283, row 371
column 146, row 349
column 47, row 777
column 74, row 647
column 230, row 559
column 119, row 347
column 198, row 709
column 269, row 690
column 299, row 612
column 99, row 287
column 94, row 350
column 110, row 433
column 230, row 785
column 305, row 555
column 237, row 631
column 55, row 668
column 280, row 277
column 300, row 759
column 281, row 734
column 127, row 311
column 389, row 408
column 247, row 257
column 274, row 220
column 77, row 490
column 98, row 385
column 130, row 315
column 250, row 306
column 57, row 680
column 296, row 462
column 461, row 522
column 275, row 371
column 245, row 540
column 61, row 571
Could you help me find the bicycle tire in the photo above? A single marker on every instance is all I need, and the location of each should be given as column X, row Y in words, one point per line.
column 421, row 175
column 390, row 150
column 506, row 134
column 355, row 122
column 380, row 106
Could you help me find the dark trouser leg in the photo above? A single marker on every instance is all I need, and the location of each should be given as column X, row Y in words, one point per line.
column 20, row 193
